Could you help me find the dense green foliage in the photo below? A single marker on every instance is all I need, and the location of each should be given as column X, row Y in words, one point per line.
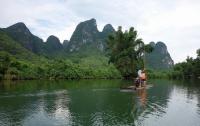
column 126, row 51
column 18, row 61
column 188, row 69
column 4, row 63
column 89, row 67
column 26, row 56
column 159, row 74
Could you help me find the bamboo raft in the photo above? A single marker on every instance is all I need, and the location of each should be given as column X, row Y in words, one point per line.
column 133, row 88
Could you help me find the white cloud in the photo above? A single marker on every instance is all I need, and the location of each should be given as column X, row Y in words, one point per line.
column 175, row 22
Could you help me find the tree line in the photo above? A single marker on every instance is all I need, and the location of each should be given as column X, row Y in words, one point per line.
column 189, row 69
column 125, row 54
column 85, row 68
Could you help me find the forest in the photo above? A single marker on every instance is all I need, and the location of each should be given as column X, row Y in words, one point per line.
column 122, row 58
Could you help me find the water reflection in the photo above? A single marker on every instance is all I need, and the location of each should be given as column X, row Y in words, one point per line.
column 98, row 102
column 153, row 102
column 142, row 97
column 176, row 105
column 51, row 110
column 33, row 108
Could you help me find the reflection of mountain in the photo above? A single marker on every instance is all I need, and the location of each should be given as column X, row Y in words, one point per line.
column 14, row 109
column 96, row 102
column 29, row 104
column 52, row 110
column 86, row 103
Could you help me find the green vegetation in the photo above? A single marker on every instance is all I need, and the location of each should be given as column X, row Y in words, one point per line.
column 188, row 69
column 25, row 56
column 14, row 48
column 87, row 68
column 159, row 74
column 17, row 62
column 126, row 52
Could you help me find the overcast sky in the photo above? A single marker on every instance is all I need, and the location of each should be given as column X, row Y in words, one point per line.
column 175, row 22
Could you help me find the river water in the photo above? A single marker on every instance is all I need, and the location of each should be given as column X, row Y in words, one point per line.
column 99, row 103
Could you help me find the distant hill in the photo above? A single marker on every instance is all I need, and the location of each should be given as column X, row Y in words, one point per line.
column 160, row 58
column 87, row 35
column 85, row 41
column 21, row 34
column 14, row 48
column 53, row 47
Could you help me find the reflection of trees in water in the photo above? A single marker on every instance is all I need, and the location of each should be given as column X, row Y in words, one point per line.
column 162, row 92
column 91, row 102
column 14, row 109
column 56, row 107
column 39, row 101
column 151, row 102
column 192, row 90
column 86, row 102
column 25, row 104
column 101, row 106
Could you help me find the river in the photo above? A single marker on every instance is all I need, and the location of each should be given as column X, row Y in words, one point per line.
column 99, row 103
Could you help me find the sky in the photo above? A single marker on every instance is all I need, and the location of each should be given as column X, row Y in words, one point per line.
column 174, row 22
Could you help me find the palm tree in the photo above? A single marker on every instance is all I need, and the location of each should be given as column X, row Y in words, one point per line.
column 126, row 51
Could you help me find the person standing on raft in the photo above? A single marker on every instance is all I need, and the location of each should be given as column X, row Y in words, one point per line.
column 138, row 79
column 143, row 78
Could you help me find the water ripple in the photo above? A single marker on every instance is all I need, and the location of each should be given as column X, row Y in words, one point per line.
column 36, row 94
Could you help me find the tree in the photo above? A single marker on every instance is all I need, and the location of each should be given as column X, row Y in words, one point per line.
column 126, row 51
column 4, row 63
column 198, row 53
column 189, row 69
